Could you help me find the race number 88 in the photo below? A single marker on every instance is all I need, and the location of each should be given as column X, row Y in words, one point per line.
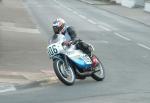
column 52, row 50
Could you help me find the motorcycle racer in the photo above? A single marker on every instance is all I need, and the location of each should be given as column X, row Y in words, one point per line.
column 60, row 27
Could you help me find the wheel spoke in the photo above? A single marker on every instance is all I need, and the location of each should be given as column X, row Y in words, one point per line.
column 66, row 73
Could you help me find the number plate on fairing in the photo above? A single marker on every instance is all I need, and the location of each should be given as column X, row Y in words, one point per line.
column 86, row 59
column 54, row 49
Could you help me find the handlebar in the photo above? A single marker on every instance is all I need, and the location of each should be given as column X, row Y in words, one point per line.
column 68, row 43
column 76, row 41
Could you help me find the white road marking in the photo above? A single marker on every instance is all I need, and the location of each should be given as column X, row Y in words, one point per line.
column 56, row 1
column 11, row 24
column 105, row 24
column 144, row 46
column 59, row 3
column 64, row 6
column 69, row 9
column 19, row 29
column 7, row 88
column 91, row 21
column 75, row 12
column 103, row 27
column 83, row 17
column 87, row 2
column 121, row 36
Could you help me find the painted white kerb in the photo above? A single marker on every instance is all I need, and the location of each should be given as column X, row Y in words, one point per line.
column 132, row 3
column 147, row 6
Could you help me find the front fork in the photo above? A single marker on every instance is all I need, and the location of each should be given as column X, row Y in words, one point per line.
column 65, row 69
column 64, row 58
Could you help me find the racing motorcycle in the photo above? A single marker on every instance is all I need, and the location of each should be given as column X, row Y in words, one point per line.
column 70, row 63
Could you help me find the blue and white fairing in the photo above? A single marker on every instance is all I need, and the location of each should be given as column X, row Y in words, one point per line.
column 81, row 59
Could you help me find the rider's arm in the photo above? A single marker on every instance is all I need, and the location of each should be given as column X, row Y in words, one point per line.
column 72, row 33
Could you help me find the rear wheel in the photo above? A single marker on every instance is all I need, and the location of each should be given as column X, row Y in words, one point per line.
column 64, row 74
column 99, row 74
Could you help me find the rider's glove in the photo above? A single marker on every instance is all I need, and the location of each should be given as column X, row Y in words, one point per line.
column 67, row 43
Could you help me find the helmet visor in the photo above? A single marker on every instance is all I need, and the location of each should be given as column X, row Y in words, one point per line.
column 56, row 29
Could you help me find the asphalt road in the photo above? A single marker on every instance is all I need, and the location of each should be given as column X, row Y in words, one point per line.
column 22, row 47
column 123, row 46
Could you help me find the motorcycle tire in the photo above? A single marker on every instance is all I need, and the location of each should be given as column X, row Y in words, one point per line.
column 58, row 65
column 101, row 76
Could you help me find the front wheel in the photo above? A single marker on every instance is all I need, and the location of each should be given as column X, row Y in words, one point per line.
column 99, row 74
column 64, row 74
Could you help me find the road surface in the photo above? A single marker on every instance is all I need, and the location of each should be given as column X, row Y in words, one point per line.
column 123, row 46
